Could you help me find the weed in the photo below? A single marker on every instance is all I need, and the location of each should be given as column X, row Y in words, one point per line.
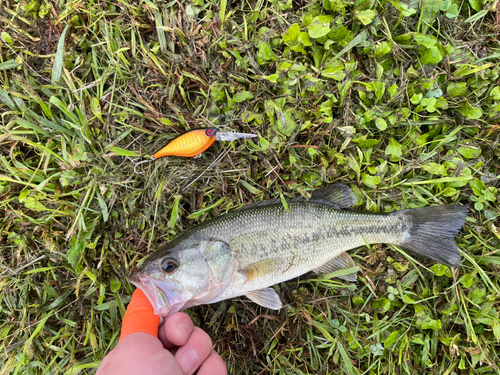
column 400, row 100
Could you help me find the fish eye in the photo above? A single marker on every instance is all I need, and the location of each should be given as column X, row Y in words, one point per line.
column 209, row 132
column 169, row 265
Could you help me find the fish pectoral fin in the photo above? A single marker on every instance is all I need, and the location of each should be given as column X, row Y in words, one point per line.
column 266, row 297
column 260, row 268
column 338, row 263
column 336, row 195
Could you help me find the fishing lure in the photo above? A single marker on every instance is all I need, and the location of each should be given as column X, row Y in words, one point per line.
column 189, row 144
column 193, row 143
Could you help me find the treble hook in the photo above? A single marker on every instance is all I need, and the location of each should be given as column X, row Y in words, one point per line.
column 140, row 162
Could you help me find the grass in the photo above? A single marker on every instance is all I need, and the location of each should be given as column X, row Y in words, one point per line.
column 399, row 99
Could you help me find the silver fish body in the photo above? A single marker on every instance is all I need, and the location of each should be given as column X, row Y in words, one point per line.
column 247, row 251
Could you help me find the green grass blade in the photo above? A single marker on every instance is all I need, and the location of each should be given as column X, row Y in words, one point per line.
column 59, row 59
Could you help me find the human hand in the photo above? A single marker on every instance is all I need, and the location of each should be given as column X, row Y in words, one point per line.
column 175, row 348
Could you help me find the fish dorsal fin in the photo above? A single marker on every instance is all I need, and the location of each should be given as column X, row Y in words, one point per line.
column 336, row 195
column 260, row 268
column 269, row 202
column 266, row 297
column 340, row 262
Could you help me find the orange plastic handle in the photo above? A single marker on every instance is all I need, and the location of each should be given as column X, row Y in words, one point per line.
column 189, row 144
column 140, row 316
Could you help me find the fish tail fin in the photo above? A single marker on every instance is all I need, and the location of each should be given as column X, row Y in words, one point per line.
column 431, row 232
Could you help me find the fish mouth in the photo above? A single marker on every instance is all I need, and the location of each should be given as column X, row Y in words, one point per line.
column 155, row 292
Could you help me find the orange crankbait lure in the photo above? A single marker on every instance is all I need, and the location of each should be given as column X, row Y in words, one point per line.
column 188, row 144
column 193, row 143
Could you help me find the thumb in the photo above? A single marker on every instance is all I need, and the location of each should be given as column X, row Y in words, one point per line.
column 140, row 316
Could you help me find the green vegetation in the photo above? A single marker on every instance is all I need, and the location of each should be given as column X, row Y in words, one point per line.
column 399, row 99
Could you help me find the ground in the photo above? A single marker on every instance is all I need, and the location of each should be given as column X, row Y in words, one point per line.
column 400, row 100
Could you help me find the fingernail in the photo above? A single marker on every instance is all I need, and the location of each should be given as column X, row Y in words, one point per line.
column 188, row 360
column 184, row 330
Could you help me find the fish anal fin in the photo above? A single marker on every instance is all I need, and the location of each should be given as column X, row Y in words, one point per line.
column 259, row 269
column 340, row 262
column 266, row 297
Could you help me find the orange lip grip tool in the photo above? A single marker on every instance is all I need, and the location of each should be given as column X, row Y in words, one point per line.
column 188, row 144
column 140, row 316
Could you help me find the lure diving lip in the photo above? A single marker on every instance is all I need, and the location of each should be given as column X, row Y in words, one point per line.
column 193, row 143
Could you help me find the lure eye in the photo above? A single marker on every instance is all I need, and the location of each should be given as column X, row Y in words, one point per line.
column 169, row 265
column 209, row 132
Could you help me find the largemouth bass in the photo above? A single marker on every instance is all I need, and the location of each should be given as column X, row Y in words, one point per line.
column 245, row 252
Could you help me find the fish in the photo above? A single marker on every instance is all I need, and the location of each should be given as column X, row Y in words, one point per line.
column 246, row 252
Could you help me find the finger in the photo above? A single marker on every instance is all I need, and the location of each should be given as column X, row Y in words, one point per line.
column 141, row 353
column 214, row 365
column 176, row 330
column 195, row 351
column 140, row 316
column 103, row 367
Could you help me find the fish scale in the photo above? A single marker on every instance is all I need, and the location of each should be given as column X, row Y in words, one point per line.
column 247, row 251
